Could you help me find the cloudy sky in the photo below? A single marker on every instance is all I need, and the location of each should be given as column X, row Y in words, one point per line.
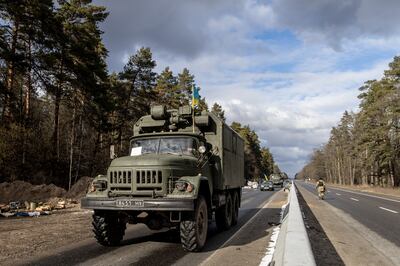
column 287, row 68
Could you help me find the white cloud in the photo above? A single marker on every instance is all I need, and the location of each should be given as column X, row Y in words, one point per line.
column 334, row 22
column 291, row 92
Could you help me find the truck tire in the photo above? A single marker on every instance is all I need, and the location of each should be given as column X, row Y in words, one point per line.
column 194, row 232
column 108, row 228
column 235, row 205
column 223, row 215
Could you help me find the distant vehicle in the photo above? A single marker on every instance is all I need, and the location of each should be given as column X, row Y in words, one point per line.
column 277, row 179
column 267, row 185
column 286, row 185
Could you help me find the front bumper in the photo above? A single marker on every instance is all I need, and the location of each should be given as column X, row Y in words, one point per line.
column 149, row 204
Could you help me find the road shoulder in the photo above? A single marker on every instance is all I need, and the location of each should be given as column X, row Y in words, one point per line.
column 373, row 191
column 248, row 245
column 355, row 244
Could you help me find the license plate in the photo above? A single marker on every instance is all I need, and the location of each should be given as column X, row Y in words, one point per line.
column 129, row 203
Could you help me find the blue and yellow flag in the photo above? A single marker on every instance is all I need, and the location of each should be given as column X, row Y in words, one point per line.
column 195, row 96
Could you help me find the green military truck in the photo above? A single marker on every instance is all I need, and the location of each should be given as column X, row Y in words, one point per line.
column 277, row 179
column 176, row 175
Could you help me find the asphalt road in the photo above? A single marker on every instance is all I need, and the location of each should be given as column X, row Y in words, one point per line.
column 379, row 213
column 142, row 246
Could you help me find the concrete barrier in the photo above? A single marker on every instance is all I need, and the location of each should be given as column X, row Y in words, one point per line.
column 293, row 246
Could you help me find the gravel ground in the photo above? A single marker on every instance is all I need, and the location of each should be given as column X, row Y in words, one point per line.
column 21, row 238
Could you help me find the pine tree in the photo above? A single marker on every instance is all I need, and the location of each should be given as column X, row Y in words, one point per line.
column 133, row 93
column 167, row 89
column 267, row 161
column 218, row 111
column 185, row 86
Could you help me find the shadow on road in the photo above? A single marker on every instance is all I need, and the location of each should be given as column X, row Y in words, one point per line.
column 170, row 250
column 323, row 250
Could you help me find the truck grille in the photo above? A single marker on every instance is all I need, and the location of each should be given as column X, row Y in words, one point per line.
column 148, row 177
column 121, row 177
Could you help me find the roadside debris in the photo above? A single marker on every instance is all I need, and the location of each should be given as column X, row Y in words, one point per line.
column 22, row 199
column 251, row 184
column 34, row 209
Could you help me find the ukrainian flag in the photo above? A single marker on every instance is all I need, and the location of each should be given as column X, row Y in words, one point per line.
column 195, row 97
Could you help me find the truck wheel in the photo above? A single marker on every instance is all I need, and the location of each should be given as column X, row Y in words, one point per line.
column 223, row 215
column 109, row 228
column 194, row 232
column 235, row 203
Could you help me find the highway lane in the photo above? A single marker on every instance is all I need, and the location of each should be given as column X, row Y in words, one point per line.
column 142, row 246
column 379, row 213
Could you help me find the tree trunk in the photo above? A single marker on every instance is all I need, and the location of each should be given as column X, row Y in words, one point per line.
column 338, row 171
column 80, row 149
column 351, row 177
column 391, row 173
column 71, row 152
column 7, row 114
column 57, row 103
column 95, row 150
column 29, row 89
column 27, row 100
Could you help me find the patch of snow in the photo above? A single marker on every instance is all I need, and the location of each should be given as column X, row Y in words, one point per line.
column 271, row 247
column 272, row 242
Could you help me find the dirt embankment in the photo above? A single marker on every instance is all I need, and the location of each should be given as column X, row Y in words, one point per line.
column 23, row 191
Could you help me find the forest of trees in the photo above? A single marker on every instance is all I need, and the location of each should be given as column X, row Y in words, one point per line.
column 364, row 148
column 61, row 109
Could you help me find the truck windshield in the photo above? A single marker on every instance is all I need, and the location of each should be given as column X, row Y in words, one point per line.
column 166, row 145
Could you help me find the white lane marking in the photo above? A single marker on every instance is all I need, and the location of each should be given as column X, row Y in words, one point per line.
column 338, row 194
column 354, row 199
column 363, row 194
column 389, row 210
column 238, row 231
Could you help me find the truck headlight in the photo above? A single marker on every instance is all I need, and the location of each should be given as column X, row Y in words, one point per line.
column 98, row 185
column 184, row 186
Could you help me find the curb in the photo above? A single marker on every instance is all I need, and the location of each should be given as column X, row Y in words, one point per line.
column 293, row 246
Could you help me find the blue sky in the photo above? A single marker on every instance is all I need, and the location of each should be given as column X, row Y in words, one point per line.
column 287, row 68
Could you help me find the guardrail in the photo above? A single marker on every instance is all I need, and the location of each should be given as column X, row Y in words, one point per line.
column 293, row 246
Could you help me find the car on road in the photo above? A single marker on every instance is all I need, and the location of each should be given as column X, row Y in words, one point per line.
column 267, row 185
column 277, row 179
